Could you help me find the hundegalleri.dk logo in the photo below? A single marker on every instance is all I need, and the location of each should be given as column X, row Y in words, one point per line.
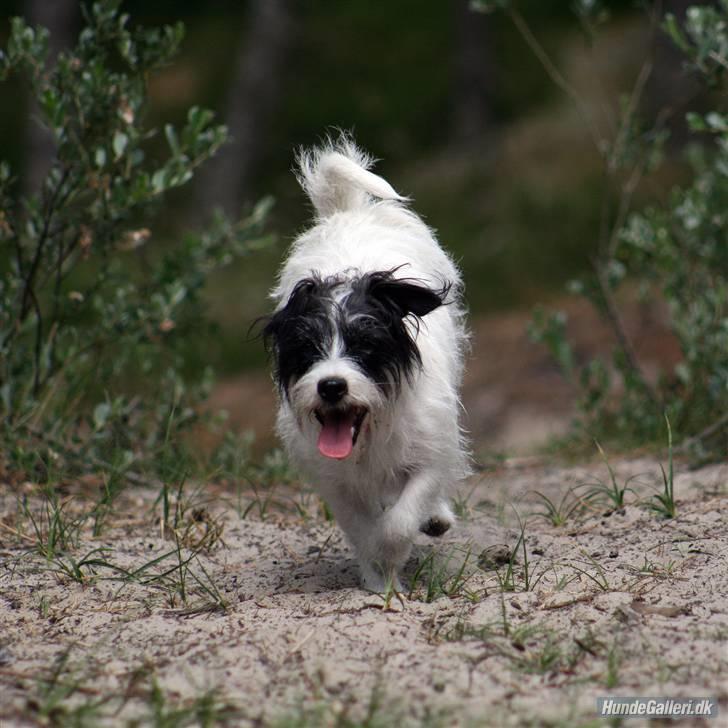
column 657, row 707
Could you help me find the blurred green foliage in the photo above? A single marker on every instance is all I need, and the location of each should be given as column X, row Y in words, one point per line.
column 389, row 72
column 88, row 302
column 521, row 207
column 679, row 252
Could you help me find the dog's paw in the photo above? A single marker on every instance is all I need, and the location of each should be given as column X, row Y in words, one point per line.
column 374, row 580
column 435, row 526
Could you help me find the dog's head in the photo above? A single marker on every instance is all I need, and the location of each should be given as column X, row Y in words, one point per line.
column 343, row 347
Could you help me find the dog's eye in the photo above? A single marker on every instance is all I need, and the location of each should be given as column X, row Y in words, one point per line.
column 299, row 345
column 365, row 326
column 294, row 362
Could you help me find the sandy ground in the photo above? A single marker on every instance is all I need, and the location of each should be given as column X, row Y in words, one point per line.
column 260, row 621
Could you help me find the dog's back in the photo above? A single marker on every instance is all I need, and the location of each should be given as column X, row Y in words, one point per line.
column 361, row 224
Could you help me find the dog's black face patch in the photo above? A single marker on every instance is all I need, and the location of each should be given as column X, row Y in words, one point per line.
column 373, row 330
column 366, row 324
column 301, row 333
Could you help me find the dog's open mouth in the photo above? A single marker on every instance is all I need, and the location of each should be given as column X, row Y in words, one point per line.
column 339, row 431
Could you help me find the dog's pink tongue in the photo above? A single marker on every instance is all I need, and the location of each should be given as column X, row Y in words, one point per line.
column 335, row 439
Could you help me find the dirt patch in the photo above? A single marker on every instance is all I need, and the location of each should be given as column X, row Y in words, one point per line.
column 263, row 622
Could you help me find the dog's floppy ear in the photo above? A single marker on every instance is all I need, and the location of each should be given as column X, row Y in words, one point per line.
column 405, row 296
column 301, row 296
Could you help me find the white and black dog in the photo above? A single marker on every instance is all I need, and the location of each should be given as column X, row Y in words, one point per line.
column 367, row 340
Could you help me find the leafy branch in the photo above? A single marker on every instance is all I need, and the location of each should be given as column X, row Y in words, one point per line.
column 82, row 308
column 678, row 251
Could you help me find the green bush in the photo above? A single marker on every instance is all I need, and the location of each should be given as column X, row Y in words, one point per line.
column 677, row 251
column 92, row 305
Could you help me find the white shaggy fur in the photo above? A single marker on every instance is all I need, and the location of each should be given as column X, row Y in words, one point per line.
column 412, row 449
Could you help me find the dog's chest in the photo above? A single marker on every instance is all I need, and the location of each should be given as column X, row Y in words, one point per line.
column 370, row 489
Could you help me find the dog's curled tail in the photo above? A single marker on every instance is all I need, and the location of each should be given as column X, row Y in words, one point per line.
column 336, row 177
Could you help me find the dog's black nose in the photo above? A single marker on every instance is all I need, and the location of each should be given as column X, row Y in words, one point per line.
column 331, row 390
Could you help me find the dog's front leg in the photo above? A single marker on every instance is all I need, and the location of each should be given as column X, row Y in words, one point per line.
column 381, row 551
column 420, row 508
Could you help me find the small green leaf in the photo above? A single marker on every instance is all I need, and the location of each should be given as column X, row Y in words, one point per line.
column 672, row 28
column 120, row 142
column 101, row 414
column 695, row 121
column 159, row 180
column 488, row 6
column 716, row 121
column 171, row 135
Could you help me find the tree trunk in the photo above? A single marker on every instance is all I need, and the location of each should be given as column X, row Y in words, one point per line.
column 252, row 97
column 60, row 17
column 474, row 76
column 670, row 88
